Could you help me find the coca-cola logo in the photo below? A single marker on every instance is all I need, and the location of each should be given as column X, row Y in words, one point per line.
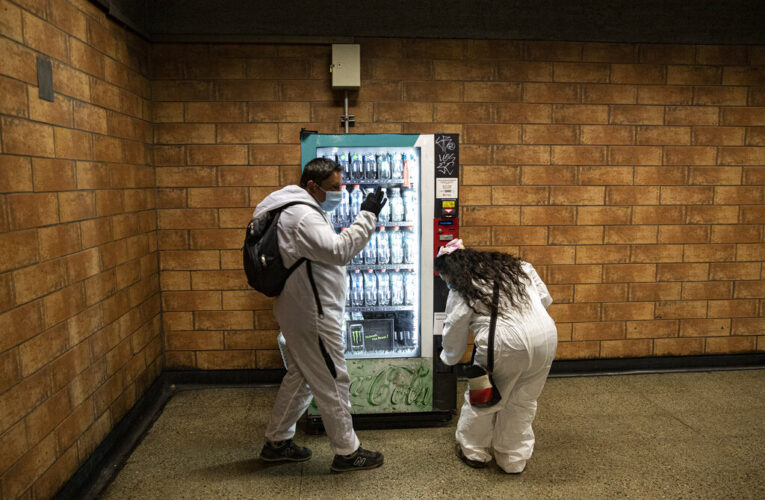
column 394, row 386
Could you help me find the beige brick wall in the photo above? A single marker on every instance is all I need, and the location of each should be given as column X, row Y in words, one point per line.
column 79, row 280
column 630, row 175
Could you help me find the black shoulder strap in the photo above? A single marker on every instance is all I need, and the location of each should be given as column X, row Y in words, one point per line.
column 492, row 327
column 287, row 205
column 309, row 268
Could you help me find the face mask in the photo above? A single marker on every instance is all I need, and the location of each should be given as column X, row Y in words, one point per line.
column 332, row 201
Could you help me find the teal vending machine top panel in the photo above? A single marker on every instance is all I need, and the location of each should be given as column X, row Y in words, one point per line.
column 310, row 142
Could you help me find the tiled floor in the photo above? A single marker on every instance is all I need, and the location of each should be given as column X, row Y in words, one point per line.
column 683, row 435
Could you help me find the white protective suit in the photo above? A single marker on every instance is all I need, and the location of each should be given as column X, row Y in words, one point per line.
column 524, row 348
column 315, row 343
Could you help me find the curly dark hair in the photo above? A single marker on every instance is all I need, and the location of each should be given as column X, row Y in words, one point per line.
column 473, row 273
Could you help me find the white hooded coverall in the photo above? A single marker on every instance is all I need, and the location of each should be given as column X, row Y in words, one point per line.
column 315, row 356
column 524, row 348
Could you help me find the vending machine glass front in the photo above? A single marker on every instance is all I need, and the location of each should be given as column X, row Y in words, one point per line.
column 383, row 280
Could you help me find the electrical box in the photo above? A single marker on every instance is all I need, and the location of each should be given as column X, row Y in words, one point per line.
column 346, row 66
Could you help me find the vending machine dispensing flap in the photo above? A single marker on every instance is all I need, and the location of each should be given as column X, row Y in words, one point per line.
column 444, row 231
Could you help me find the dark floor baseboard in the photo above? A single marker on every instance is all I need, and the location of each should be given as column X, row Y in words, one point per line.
column 107, row 459
column 663, row 364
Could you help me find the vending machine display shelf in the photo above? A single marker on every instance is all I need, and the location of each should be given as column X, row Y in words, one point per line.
column 401, row 223
column 408, row 307
column 376, row 182
column 377, row 267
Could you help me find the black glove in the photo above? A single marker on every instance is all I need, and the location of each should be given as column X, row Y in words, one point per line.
column 374, row 202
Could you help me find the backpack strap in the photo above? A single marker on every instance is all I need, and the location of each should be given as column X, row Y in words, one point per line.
column 309, row 268
column 492, row 327
column 286, row 205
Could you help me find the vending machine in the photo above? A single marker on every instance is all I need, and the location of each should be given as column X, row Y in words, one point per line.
column 394, row 301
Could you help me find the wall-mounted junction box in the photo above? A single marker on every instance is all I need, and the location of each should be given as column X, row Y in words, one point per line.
column 346, row 66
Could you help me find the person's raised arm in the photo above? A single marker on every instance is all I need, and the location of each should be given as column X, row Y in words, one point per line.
column 317, row 241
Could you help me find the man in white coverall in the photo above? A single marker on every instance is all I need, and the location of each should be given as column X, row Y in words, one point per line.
column 524, row 348
column 310, row 313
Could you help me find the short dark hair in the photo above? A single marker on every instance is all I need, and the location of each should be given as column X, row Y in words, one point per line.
column 317, row 170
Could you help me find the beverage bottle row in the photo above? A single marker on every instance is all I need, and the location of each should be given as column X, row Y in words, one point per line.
column 403, row 337
column 394, row 247
column 398, row 209
column 371, row 166
column 380, row 288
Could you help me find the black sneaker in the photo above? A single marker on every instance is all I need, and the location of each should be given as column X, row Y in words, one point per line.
column 476, row 464
column 284, row 451
column 358, row 460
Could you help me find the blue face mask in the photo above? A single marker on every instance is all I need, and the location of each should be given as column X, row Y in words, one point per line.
column 333, row 200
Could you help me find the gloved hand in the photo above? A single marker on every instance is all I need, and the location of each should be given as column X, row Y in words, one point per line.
column 374, row 202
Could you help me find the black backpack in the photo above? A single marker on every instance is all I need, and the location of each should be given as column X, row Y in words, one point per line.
column 262, row 261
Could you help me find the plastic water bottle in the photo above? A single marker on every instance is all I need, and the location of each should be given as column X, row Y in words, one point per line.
column 347, row 290
column 330, row 157
column 357, row 167
column 410, row 207
column 383, row 288
column 383, row 247
column 396, row 288
column 370, row 251
column 343, row 160
column 343, row 212
column 370, row 288
column 396, row 246
column 397, row 166
column 384, row 215
column 410, row 168
column 396, row 205
column 357, row 288
column 410, row 246
column 409, row 338
column 359, row 257
column 357, row 197
column 383, row 166
column 370, row 166
column 410, row 287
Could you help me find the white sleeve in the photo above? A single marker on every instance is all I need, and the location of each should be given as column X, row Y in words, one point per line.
column 316, row 240
column 458, row 315
column 544, row 294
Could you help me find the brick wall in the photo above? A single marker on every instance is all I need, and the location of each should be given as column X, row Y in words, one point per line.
column 630, row 175
column 79, row 281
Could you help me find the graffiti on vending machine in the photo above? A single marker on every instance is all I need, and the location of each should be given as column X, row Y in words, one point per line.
column 446, row 155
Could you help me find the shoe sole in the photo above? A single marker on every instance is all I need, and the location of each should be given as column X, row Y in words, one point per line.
column 475, row 464
column 351, row 469
column 284, row 459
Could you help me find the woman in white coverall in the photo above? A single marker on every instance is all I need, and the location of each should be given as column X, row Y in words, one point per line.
column 312, row 323
column 524, row 348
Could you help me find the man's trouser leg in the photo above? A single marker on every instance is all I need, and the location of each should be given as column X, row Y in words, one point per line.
column 322, row 366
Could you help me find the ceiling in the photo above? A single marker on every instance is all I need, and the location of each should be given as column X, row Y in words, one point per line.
column 636, row 21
